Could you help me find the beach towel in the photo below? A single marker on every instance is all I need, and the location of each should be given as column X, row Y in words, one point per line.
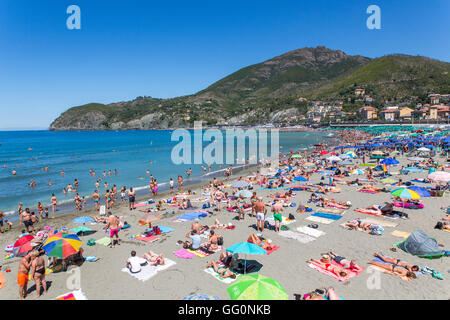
column 401, row 234
column 140, row 205
column 201, row 253
column 350, row 273
column 106, row 241
column 165, row 229
column 369, row 191
column 74, row 295
column 300, row 237
column 327, row 215
column 147, row 239
column 184, row 254
column 374, row 214
column 211, row 271
column 320, row 220
column 310, row 231
column 149, row 271
column 405, row 278
column 191, row 216
column 274, row 248
column 102, row 211
column 381, row 222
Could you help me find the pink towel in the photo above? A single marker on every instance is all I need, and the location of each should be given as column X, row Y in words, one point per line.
column 350, row 274
column 148, row 239
column 184, row 254
column 274, row 248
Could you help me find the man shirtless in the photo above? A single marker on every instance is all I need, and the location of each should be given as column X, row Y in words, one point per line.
column 22, row 275
column 96, row 197
column 2, row 228
column 261, row 211
column 131, row 199
column 277, row 209
column 25, row 218
column 113, row 226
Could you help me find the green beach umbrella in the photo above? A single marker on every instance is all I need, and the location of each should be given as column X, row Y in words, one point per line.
column 257, row 287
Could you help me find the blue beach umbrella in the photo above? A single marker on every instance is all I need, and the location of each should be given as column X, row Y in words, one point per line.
column 421, row 191
column 246, row 248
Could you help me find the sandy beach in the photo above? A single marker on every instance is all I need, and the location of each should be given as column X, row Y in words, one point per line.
column 104, row 279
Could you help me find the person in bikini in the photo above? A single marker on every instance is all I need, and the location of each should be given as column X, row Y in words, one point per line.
column 54, row 203
column 153, row 258
column 223, row 271
column 394, row 269
column 38, row 272
column 398, row 262
column 240, row 203
column 213, row 240
column 325, row 263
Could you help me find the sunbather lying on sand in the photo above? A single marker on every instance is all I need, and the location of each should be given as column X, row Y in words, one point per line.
column 256, row 240
column 372, row 210
column 358, row 224
column 319, row 294
column 223, row 271
column 218, row 225
column 154, row 258
column 197, row 226
column 348, row 264
column 100, row 219
column 325, row 263
column 230, row 260
column 330, row 202
column 398, row 262
column 394, row 269
column 370, row 188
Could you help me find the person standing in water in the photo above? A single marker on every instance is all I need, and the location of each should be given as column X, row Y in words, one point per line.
column 96, row 197
column 54, row 203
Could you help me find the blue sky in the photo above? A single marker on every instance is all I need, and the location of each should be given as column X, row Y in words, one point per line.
column 164, row 49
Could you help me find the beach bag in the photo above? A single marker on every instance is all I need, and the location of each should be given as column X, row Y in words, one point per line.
column 376, row 230
column 91, row 242
column 291, row 216
column 220, row 241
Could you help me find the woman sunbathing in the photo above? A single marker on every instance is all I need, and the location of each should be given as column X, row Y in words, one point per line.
column 256, row 240
column 213, row 240
column 394, row 269
column 372, row 210
column 100, row 219
column 369, row 188
column 218, row 225
column 322, row 294
column 397, row 262
column 325, row 263
column 154, row 258
column 223, row 271
column 358, row 224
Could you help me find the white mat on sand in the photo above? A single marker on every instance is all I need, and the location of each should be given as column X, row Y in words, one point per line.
column 300, row 237
column 149, row 271
column 320, row 220
column 310, row 231
column 211, row 271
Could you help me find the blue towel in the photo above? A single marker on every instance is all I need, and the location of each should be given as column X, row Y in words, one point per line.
column 327, row 215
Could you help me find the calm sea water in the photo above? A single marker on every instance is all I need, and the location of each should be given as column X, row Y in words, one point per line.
column 130, row 152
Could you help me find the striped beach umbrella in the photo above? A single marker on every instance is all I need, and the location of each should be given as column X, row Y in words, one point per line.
column 257, row 287
column 62, row 245
column 405, row 193
column 200, row 296
column 351, row 154
column 421, row 191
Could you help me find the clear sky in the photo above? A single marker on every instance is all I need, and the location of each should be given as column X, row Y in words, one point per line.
column 126, row 49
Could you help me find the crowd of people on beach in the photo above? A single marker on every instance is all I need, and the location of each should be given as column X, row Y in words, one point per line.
column 240, row 197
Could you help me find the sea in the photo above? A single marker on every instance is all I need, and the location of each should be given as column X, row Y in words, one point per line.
column 135, row 155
